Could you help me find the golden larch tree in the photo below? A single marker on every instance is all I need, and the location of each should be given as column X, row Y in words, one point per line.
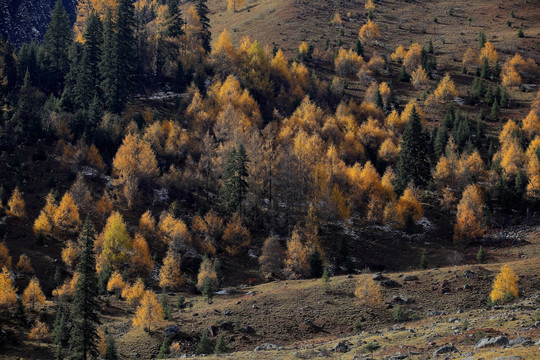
column 409, row 209
column 5, row 259
column 271, row 259
column 368, row 291
column 369, row 32
column 413, row 57
column 296, row 257
column 369, row 5
column 33, row 294
column 531, row 125
column 70, row 253
column 8, row 293
column 140, row 259
column 16, row 204
column 488, row 52
column 170, row 276
column 207, row 274
column 39, row 332
column 236, row 236
column 470, row 211
column 134, row 293
column 149, row 312
column 116, row 240
column 66, row 216
column 399, row 54
column 419, row 77
column 67, row 289
column 45, row 221
column 446, row 90
column 505, row 285
column 24, row 265
column 116, row 283
column 174, row 232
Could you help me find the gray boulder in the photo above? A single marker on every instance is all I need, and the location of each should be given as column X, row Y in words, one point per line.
column 520, row 341
column 171, row 331
column 266, row 346
column 390, row 283
column 377, row 276
column 410, row 278
column 445, row 349
column 341, row 347
column 489, row 341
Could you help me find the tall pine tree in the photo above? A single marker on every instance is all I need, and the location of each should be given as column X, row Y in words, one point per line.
column 85, row 304
column 235, row 186
column 124, row 52
column 108, row 64
column 175, row 23
column 56, row 44
column 413, row 164
column 206, row 35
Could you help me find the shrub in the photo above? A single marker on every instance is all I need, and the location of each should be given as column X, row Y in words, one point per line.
column 399, row 314
column 505, row 286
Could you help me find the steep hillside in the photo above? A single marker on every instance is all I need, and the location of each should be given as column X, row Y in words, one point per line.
column 26, row 20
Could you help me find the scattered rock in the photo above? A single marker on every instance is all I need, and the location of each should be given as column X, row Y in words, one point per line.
column 227, row 312
column 435, row 313
column 377, row 276
column 398, row 356
column 520, row 341
column 225, row 325
column 171, row 331
column 445, row 349
column 489, row 341
column 247, row 329
column 509, row 358
column 410, row 278
column 390, row 283
column 349, row 276
column 266, row 346
column 402, row 299
column 342, row 347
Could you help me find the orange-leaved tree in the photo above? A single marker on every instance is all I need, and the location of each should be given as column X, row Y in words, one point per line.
column 236, row 236
column 296, row 258
column 170, row 276
column 140, row 259
column 134, row 293
column 5, row 259
column 33, row 294
column 116, row 240
column 149, row 312
column 368, row 291
column 66, row 217
column 24, row 265
column 469, row 223
column 16, row 204
column 8, row 293
column 505, row 286
column 116, row 283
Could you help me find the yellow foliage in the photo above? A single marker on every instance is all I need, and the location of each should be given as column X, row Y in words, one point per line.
column 471, row 167
column 116, row 240
column 5, row 259
column 394, row 122
column 370, row 5
column 445, row 172
column 16, row 204
column 446, row 90
column 505, row 283
column 149, row 312
column 140, row 259
column 469, row 58
column 489, row 52
column 375, row 64
column 232, row 4
column 409, row 208
column 236, row 236
column 24, row 265
column 134, row 293
column 340, row 203
column 45, row 221
column 533, row 168
column 39, row 332
column 33, row 294
column 116, row 283
column 413, row 57
column 515, row 68
column 94, row 158
column 68, row 287
column 170, row 276
column 347, row 63
column 388, row 151
column 419, row 77
column 399, row 54
column 336, row 20
column 369, row 32
column 512, row 158
column 66, row 217
column 296, row 257
column 384, row 90
column 303, row 48
column 70, row 254
column 531, row 125
column 147, row 224
column 8, row 295
column 368, row 291
column 134, row 161
column 469, row 215
column 207, row 274
column 406, row 114
column 174, row 232
column 104, row 206
column 371, row 134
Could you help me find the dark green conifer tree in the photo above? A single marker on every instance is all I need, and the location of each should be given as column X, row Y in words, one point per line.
column 110, row 352
column 85, row 305
column 235, row 186
column 124, row 53
column 413, row 164
column 441, row 138
column 359, row 48
column 56, row 45
column 206, row 35
column 175, row 23
column 221, row 345
column 316, row 263
column 107, row 64
column 60, row 331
